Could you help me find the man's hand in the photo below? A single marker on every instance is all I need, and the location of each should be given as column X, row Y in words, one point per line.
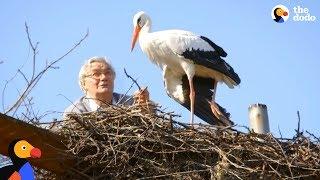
column 141, row 96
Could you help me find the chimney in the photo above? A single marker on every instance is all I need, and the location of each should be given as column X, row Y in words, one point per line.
column 258, row 118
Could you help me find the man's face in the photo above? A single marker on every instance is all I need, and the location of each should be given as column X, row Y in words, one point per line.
column 99, row 81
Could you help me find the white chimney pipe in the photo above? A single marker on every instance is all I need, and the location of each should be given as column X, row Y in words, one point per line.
column 258, row 118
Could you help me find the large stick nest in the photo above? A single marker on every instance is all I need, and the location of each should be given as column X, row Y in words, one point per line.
column 133, row 142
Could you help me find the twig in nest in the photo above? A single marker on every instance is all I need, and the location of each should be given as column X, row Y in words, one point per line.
column 134, row 80
column 315, row 137
column 298, row 130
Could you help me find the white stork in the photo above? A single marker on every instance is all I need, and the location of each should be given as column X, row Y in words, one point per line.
column 192, row 66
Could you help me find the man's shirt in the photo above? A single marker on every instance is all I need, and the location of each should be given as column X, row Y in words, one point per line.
column 87, row 104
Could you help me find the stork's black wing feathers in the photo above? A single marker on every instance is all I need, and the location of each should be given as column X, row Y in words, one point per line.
column 218, row 49
column 203, row 89
column 211, row 60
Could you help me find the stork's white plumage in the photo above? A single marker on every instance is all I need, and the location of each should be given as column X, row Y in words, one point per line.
column 192, row 66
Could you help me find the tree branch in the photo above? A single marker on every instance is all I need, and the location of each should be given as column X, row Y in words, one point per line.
column 36, row 77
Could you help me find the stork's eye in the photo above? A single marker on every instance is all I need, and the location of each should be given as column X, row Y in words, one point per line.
column 140, row 23
column 24, row 147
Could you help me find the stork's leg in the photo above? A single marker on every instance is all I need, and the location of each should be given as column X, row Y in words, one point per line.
column 191, row 96
column 214, row 107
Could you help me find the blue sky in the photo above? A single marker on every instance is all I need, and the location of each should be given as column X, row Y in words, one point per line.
column 278, row 63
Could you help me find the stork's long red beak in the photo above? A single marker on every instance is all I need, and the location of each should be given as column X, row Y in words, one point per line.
column 135, row 36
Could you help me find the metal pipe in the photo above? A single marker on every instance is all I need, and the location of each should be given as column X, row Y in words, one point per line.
column 258, row 118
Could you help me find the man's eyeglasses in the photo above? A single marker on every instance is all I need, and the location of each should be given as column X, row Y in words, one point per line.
column 98, row 74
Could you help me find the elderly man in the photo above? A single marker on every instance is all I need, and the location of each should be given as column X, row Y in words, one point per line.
column 96, row 80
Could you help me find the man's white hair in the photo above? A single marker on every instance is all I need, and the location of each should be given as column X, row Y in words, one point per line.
column 85, row 67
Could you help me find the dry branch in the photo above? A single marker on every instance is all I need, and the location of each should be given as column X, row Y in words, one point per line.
column 35, row 77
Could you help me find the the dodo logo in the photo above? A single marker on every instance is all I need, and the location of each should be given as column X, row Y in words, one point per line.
column 280, row 13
